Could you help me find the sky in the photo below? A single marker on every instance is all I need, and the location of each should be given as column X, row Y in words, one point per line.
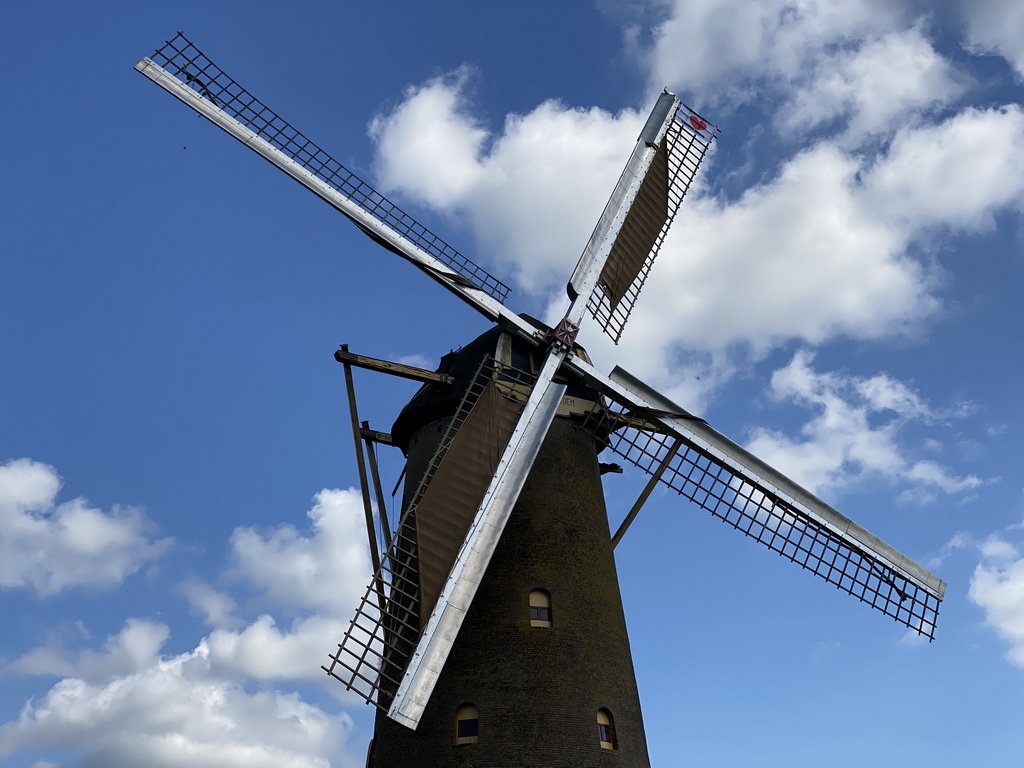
column 181, row 541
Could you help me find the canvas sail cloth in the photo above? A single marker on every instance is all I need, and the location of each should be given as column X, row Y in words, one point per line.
column 451, row 500
column 646, row 213
column 640, row 230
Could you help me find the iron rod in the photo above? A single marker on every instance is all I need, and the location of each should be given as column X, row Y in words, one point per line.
column 371, row 455
column 646, row 493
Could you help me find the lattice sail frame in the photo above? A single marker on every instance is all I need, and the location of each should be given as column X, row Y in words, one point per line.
column 378, row 645
column 180, row 57
column 686, row 143
column 757, row 512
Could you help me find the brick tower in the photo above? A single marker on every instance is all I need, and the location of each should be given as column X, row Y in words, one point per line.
column 541, row 672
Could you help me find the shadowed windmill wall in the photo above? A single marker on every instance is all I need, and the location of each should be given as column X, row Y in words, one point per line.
column 537, row 689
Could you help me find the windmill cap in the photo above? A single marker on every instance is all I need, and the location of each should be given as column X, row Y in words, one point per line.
column 435, row 401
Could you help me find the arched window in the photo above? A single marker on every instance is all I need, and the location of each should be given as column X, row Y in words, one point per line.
column 467, row 723
column 540, row 608
column 606, row 729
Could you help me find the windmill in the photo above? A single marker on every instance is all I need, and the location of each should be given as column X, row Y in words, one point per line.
column 491, row 629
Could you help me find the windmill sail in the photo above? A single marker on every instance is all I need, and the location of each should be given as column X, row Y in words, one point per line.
column 449, row 503
column 184, row 71
column 378, row 646
column 641, row 209
column 639, row 234
column 738, row 488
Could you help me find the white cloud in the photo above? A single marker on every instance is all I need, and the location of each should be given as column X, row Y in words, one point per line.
column 995, row 548
column 914, row 639
column 955, row 174
column 874, row 88
column 728, row 46
column 797, row 257
column 887, row 394
column 216, row 608
column 430, row 144
column 126, row 705
column 997, row 583
column 50, row 547
column 531, row 193
column 960, row 540
column 997, row 586
column 997, row 27
column 821, row 251
column 325, row 571
column 261, row 651
column 317, row 576
column 134, row 649
column 846, row 439
column 175, row 714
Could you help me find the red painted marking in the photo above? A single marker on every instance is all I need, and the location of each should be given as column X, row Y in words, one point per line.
column 697, row 123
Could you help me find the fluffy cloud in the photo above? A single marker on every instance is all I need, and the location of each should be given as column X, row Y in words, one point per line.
column 796, row 257
column 216, row 608
column 325, row 570
column 173, row 714
column 134, row 649
column 430, row 144
column 262, row 651
column 710, row 46
column 997, row 586
column 883, row 83
column 50, row 547
column 997, row 27
column 860, row 64
column 853, row 434
column 318, row 576
column 126, row 704
column 956, row 174
column 531, row 194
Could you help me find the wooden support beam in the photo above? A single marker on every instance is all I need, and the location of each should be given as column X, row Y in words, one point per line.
column 373, row 436
column 345, row 357
column 364, row 485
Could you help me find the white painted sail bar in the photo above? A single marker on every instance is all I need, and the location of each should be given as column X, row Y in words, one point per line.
column 588, row 270
column 756, row 471
column 443, row 626
column 483, row 302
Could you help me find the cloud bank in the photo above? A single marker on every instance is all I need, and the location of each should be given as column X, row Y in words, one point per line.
column 48, row 547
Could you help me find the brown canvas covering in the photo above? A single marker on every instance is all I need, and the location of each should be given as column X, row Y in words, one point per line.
column 639, row 231
column 453, row 496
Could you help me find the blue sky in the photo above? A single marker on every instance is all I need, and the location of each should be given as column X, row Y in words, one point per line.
column 179, row 542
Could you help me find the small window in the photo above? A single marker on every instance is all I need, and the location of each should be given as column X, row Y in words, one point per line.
column 540, row 608
column 606, row 729
column 467, row 724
